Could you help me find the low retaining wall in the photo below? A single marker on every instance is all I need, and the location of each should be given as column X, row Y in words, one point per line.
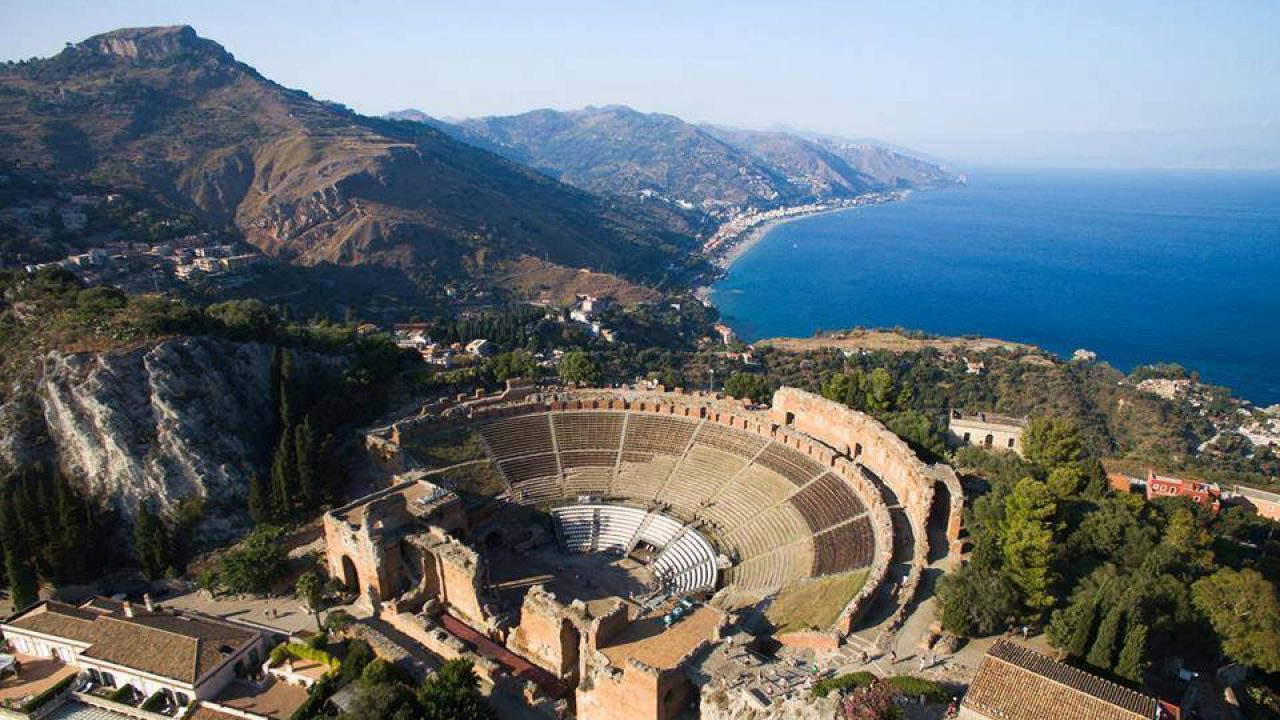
column 811, row 639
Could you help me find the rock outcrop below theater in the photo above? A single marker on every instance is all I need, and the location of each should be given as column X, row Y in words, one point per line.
column 187, row 418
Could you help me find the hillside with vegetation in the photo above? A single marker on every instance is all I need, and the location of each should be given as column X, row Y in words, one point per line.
column 164, row 111
column 697, row 176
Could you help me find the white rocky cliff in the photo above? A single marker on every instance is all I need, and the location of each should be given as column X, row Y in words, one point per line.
column 190, row 417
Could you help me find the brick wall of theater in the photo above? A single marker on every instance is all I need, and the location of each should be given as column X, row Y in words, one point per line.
column 545, row 636
column 371, row 561
column 875, row 446
column 636, row 693
column 459, row 569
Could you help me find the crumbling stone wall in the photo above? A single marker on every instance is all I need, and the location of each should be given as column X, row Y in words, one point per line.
column 370, row 546
column 634, row 692
column 547, row 635
column 866, row 440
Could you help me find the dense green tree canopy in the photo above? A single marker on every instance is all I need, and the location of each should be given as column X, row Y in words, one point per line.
column 578, row 367
column 1244, row 609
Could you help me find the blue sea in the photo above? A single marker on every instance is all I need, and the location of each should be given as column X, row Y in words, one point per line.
column 1138, row 266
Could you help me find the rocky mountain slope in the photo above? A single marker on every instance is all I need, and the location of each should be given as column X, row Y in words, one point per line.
column 832, row 167
column 698, row 171
column 172, row 113
column 181, row 419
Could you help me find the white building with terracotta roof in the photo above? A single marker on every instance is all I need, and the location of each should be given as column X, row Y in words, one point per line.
column 183, row 656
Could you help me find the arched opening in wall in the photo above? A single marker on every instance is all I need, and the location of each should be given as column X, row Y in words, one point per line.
column 791, row 418
column 857, row 450
column 350, row 578
column 991, row 440
column 939, row 519
column 1010, row 443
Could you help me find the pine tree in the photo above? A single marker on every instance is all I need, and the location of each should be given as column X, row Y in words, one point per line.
column 1104, row 646
column 1028, row 546
column 305, row 461
column 1133, row 654
column 879, row 390
column 452, row 693
column 283, row 475
column 259, row 500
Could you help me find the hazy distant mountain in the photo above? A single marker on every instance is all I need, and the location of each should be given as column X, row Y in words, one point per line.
column 658, row 160
column 709, row 170
column 167, row 111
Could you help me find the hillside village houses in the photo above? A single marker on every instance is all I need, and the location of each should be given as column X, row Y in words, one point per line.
column 122, row 261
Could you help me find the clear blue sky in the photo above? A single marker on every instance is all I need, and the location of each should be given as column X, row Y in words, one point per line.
column 1061, row 83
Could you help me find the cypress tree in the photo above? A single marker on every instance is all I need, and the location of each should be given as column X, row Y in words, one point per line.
column 1133, row 654
column 277, row 360
column 24, row 587
column 305, row 460
column 1104, row 646
column 259, row 500
column 286, row 390
column 1083, row 630
column 75, row 526
column 151, row 543
column 329, row 471
column 283, row 475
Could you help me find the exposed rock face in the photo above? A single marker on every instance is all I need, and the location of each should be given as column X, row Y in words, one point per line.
column 191, row 417
column 150, row 43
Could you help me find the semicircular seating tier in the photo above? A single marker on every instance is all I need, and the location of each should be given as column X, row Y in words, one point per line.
column 777, row 514
column 685, row 561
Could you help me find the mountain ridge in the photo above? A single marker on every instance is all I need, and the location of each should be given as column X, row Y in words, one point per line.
column 305, row 180
column 706, row 173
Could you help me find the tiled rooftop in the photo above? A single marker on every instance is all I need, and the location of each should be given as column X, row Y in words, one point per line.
column 179, row 647
column 1017, row 683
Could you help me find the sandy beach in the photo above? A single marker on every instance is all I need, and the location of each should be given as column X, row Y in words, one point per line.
column 748, row 239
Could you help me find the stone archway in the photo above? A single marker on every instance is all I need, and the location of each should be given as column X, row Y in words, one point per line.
column 939, row 523
column 350, row 578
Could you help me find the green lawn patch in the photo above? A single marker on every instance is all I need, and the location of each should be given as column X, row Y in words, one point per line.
column 814, row 604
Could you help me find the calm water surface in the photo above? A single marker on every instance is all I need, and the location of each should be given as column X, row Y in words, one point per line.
column 1139, row 267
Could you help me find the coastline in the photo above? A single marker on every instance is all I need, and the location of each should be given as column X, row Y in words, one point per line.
column 734, row 246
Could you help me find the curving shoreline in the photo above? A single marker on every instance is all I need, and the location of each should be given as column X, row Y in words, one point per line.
column 726, row 249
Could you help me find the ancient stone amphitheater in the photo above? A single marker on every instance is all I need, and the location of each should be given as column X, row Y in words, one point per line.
column 605, row 549
column 741, row 499
column 778, row 513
